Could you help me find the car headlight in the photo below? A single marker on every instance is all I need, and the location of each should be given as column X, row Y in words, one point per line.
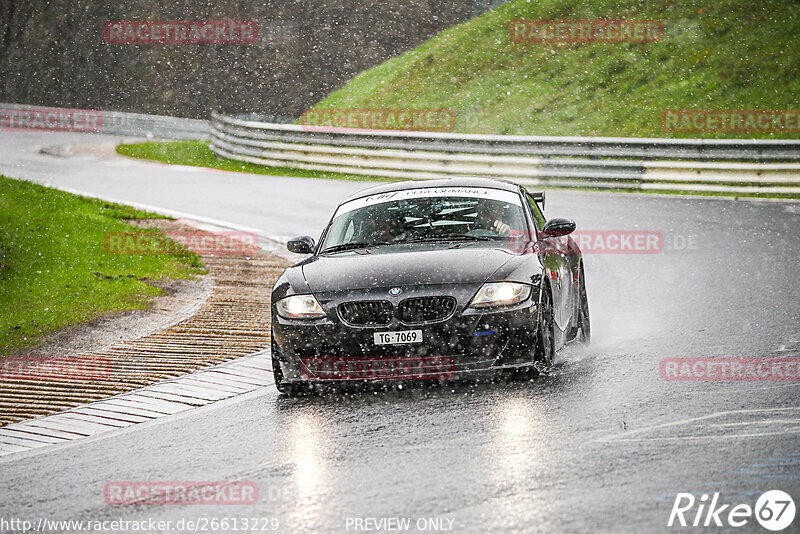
column 500, row 294
column 300, row 307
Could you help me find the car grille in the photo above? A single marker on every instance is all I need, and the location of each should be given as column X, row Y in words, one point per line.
column 426, row 309
column 366, row 313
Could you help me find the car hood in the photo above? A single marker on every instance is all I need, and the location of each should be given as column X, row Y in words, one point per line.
column 389, row 268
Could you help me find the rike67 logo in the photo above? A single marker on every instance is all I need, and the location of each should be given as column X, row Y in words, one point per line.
column 774, row 510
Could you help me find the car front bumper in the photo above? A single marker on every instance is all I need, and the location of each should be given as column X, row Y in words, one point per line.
column 469, row 343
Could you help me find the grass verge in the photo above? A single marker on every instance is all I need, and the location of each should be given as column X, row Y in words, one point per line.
column 730, row 54
column 54, row 269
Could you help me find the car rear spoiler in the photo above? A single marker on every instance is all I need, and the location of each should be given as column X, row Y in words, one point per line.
column 539, row 198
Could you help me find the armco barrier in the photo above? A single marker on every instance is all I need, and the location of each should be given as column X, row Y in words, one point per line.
column 121, row 123
column 725, row 165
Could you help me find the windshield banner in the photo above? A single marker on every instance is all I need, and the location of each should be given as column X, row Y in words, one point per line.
column 500, row 195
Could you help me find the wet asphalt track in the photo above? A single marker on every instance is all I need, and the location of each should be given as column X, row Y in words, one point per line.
column 602, row 443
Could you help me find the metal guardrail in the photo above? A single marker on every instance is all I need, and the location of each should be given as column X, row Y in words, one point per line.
column 598, row 162
column 610, row 162
column 134, row 124
column 603, row 147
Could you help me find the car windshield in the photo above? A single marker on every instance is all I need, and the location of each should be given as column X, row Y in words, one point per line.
column 433, row 214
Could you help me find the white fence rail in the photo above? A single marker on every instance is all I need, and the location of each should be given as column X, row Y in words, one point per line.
column 731, row 165
column 106, row 122
column 708, row 165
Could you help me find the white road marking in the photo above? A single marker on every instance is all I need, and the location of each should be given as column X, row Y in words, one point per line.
column 793, row 430
column 764, row 422
column 626, row 436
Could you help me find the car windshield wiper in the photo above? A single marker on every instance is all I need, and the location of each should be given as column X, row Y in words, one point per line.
column 451, row 237
column 355, row 245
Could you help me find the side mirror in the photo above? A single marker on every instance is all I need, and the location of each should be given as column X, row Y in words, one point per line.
column 301, row 245
column 558, row 227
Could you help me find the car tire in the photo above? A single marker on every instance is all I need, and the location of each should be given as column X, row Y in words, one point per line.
column 544, row 351
column 584, row 323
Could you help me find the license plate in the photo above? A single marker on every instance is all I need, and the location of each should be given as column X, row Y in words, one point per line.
column 398, row 338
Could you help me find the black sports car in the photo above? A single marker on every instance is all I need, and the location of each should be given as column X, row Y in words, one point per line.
column 429, row 280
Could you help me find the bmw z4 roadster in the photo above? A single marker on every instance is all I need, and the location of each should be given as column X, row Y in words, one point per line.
column 438, row 280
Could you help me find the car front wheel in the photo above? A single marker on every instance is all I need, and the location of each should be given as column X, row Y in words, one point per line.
column 583, row 318
column 545, row 333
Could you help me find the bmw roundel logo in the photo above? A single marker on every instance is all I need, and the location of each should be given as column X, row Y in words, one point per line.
column 395, row 291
